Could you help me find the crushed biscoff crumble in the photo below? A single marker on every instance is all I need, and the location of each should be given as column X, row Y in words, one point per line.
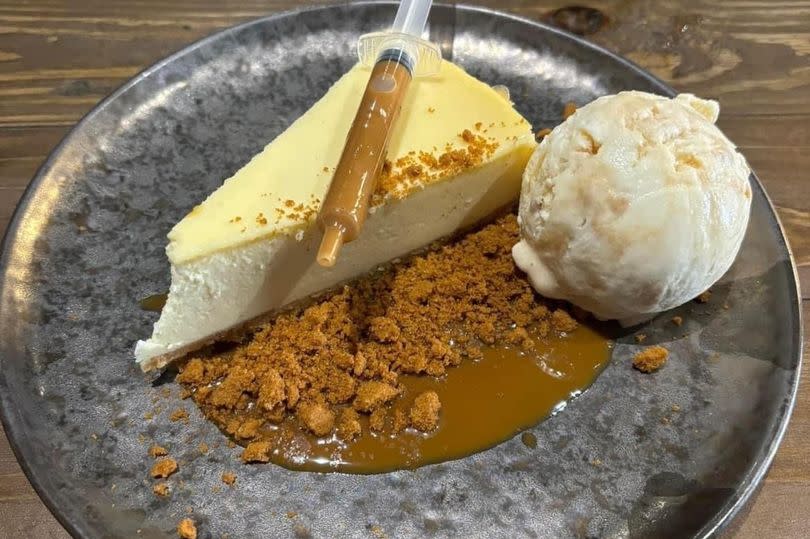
column 398, row 179
column 229, row 478
column 424, row 413
column 163, row 468
column 186, row 529
column 650, row 359
column 179, row 415
column 326, row 365
column 407, row 173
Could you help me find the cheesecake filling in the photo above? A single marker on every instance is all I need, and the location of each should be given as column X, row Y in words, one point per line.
column 238, row 285
column 456, row 158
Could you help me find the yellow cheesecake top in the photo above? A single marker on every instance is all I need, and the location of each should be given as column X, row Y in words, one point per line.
column 448, row 123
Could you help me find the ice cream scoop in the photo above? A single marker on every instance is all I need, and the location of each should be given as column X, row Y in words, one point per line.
column 634, row 205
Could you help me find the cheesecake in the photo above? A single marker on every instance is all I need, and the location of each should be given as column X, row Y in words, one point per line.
column 455, row 158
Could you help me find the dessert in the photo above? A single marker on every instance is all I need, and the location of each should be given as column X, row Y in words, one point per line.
column 634, row 205
column 456, row 156
column 378, row 375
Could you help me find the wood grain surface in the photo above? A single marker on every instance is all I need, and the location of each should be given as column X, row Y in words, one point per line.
column 60, row 57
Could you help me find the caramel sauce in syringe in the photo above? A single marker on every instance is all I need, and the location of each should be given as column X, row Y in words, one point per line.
column 346, row 204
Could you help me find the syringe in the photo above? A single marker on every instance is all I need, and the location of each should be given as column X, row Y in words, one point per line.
column 395, row 58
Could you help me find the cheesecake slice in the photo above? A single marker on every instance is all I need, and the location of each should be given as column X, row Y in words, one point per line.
column 456, row 157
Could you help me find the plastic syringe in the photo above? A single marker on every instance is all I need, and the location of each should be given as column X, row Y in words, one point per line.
column 395, row 57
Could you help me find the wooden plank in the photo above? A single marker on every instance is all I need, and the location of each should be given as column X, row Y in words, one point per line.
column 750, row 56
column 780, row 510
column 766, row 130
column 29, row 142
column 26, row 518
column 22, row 513
column 783, row 172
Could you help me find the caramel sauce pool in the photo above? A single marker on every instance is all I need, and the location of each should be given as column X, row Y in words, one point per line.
column 484, row 402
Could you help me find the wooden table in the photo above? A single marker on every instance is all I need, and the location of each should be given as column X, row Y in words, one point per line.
column 58, row 58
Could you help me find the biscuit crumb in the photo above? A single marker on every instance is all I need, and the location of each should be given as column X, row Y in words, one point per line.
column 317, row 418
column 400, row 421
column 424, row 413
column 384, row 330
column 563, row 322
column 640, row 337
column 186, row 529
column 372, row 395
column 229, row 478
column 348, row 426
column 650, row 359
column 157, row 451
column 677, row 320
column 256, row 452
column 376, row 421
column 397, row 178
column 179, row 415
column 704, row 297
column 161, row 489
column 163, row 468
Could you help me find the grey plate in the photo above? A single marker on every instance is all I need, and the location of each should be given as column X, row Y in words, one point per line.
column 87, row 241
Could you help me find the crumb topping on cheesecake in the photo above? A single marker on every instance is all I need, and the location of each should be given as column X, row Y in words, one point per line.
column 402, row 176
column 413, row 171
column 282, row 181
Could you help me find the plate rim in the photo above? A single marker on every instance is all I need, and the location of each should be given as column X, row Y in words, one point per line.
column 8, row 412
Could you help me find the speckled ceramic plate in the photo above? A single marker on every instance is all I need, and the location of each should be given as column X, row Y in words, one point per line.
column 673, row 454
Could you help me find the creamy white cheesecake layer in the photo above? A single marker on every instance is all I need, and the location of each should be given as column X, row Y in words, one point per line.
column 289, row 178
column 230, row 287
column 456, row 154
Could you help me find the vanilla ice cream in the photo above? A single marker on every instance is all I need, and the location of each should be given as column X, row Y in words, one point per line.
column 634, row 205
